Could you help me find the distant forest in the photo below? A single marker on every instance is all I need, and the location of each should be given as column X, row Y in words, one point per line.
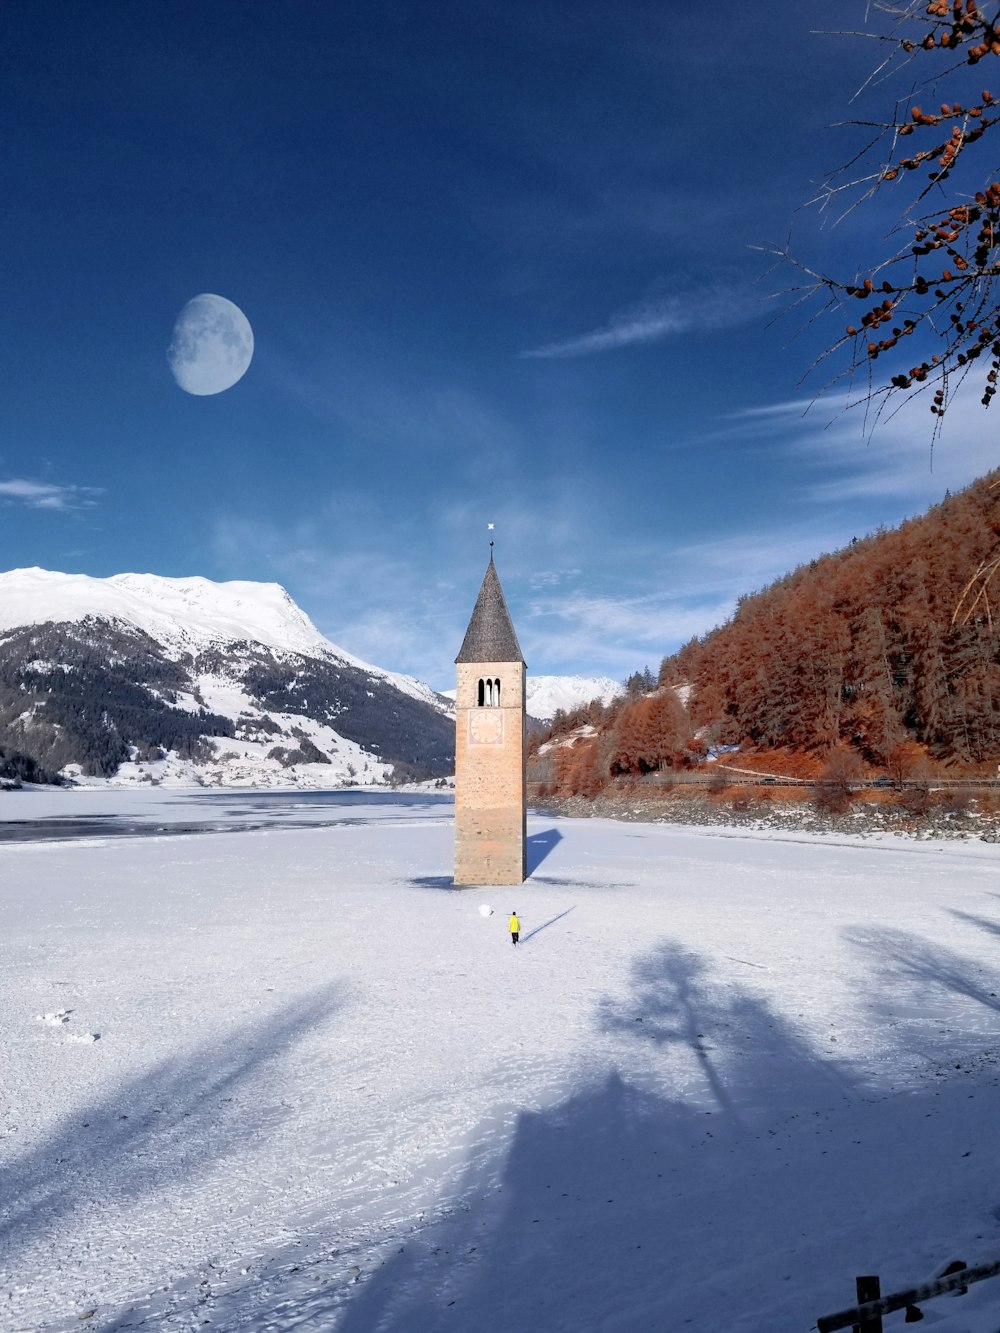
column 96, row 693
column 85, row 693
column 890, row 645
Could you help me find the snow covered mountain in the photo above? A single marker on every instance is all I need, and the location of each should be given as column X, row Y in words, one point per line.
column 546, row 695
column 137, row 677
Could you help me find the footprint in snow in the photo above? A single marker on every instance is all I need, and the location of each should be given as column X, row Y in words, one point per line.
column 60, row 1016
column 84, row 1038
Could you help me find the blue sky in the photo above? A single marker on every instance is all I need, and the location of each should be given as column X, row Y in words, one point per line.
column 498, row 259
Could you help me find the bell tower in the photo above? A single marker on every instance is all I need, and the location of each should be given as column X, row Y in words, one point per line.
column 490, row 813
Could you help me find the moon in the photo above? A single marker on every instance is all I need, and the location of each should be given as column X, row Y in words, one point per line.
column 212, row 345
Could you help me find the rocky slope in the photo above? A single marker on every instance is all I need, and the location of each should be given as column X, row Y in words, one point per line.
column 975, row 819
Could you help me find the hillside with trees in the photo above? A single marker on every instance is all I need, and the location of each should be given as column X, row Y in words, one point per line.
column 92, row 694
column 885, row 652
column 97, row 693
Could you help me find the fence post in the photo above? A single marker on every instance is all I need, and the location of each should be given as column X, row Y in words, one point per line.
column 868, row 1290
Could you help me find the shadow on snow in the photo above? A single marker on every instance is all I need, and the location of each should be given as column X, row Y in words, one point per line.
column 587, row 1193
column 165, row 1126
column 434, row 882
column 545, row 924
column 538, row 847
column 541, row 845
column 911, row 968
column 706, row 1186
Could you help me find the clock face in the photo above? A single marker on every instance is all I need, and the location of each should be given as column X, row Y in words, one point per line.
column 486, row 726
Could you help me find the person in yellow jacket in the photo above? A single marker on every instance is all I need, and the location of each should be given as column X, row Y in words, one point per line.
column 514, row 926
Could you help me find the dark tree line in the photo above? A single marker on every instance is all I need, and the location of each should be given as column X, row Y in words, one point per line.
column 399, row 729
column 16, row 768
column 92, row 693
column 306, row 752
column 84, row 694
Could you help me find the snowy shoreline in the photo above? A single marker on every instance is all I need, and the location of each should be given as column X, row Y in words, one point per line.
column 863, row 820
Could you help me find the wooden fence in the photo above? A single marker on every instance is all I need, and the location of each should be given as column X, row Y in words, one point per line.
column 866, row 1316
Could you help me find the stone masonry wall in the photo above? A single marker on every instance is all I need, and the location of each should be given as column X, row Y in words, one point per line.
column 490, row 844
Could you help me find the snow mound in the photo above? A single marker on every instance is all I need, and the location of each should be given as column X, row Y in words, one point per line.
column 61, row 1016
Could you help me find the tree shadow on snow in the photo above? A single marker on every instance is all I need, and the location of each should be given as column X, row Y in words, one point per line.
column 908, row 969
column 575, row 1214
column 165, row 1126
column 738, row 1047
column 709, row 1181
column 980, row 922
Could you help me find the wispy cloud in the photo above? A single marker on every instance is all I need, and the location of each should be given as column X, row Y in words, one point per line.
column 746, row 560
column 350, row 566
column 655, row 319
column 842, row 457
column 602, row 616
column 371, row 599
column 47, row 495
column 394, row 407
column 542, row 579
column 690, row 590
column 617, row 632
column 792, row 407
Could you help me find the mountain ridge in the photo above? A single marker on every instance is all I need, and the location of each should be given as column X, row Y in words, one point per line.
column 186, row 678
column 259, row 612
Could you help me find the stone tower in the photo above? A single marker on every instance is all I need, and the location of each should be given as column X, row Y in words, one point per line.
column 490, row 817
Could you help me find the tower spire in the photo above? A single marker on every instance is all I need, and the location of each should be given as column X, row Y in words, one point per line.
column 490, row 636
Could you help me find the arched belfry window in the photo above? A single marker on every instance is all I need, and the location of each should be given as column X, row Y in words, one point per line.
column 489, row 692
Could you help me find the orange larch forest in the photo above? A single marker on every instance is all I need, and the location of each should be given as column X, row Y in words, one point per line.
column 887, row 648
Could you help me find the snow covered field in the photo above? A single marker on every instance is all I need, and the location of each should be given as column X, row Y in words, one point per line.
column 287, row 1078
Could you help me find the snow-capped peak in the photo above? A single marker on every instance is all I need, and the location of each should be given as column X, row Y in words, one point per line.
column 547, row 694
column 191, row 613
column 181, row 614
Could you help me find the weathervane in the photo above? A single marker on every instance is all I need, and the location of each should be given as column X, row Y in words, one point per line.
column 489, row 528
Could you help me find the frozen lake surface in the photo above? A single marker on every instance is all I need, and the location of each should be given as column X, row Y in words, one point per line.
column 39, row 816
column 286, row 1077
